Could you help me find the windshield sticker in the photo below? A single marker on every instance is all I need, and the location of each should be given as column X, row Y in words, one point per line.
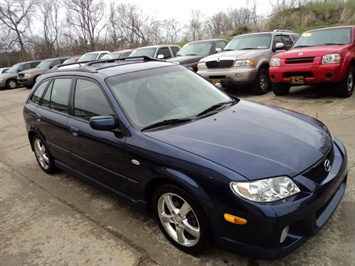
column 307, row 34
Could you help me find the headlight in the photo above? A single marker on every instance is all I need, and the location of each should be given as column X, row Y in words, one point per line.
column 28, row 75
column 201, row 65
column 241, row 63
column 331, row 59
column 275, row 61
column 266, row 190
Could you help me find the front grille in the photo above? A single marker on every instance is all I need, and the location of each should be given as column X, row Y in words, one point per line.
column 299, row 60
column 220, row 64
column 317, row 173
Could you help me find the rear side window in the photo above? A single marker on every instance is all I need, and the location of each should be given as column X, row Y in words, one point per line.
column 38, row 93
column 89, row 100
column 57, row 95
column 287, row 41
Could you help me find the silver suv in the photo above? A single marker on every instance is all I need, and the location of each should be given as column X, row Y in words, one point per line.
column 245, row 60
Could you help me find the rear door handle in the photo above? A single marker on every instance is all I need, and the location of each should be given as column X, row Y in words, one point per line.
column 74, row 131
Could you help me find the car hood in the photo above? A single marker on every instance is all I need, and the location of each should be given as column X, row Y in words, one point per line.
column 311, row 51
column 237, row 54
column 186, row 59
column 253, row 140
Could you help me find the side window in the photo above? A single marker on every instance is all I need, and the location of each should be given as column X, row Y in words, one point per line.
column 287, row 41
column 89, row 100
column 277, row 39
column 175, row 49
column 164, row 51
column 25, row 67
column 57, row 95
column 101, row 55
column 36, row 97
column 221, row 44
column 55, row 62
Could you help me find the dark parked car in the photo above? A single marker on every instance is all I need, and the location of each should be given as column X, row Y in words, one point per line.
column 27, row 78
column 192, row 52
column 254, row 179
column 8, row 80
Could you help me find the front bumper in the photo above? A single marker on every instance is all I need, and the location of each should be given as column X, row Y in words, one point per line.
column 305, row 213
column 309, row 74
column 230, row 76
column 25, row 82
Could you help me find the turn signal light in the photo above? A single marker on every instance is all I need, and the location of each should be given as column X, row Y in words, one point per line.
column 234, row 219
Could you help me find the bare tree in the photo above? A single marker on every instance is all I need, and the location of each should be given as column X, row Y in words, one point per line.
column 86, row 19
column 195, row 27
column 48, row 41
column 16, row 16
column 218, row 25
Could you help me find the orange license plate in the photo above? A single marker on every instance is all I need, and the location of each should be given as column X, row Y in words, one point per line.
column 297, row 79
column 215, row 81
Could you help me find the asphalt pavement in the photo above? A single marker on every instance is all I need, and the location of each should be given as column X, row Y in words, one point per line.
column 62, row 220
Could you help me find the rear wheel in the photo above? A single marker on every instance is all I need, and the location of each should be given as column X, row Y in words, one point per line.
column 181, row 219
column 261, row 84
column 346, row 86
column 281, row 88
column 43, row 156
column 11, row 84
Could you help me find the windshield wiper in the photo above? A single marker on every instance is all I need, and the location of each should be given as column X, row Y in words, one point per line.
column 167, row 122
column 329, row 43
column 215, row 107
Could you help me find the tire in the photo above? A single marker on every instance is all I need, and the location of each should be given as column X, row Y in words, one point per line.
column 44, row 158
column 181, row 219
column 280, row 89
column 261, row 84
column 11, row 84
column 346, row 87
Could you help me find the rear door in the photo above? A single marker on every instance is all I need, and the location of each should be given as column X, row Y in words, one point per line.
column 52, row 114
column 98, row 154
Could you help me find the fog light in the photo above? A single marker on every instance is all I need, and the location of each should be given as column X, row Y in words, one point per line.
column 284, row 234
column 238, row 76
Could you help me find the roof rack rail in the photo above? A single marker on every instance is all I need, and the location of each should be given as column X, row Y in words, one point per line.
column 279, row 30
column 85, row 66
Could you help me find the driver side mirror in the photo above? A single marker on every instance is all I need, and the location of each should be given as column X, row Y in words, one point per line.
column 218, row 50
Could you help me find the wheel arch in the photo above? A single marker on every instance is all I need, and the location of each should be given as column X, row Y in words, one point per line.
column 195, row 190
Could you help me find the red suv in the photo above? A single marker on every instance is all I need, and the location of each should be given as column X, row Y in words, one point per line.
column 319, row 56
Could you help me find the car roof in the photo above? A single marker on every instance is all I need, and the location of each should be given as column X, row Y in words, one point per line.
column 158, row 45
column 112, row 67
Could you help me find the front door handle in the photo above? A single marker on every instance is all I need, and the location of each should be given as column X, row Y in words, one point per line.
column 74, row 131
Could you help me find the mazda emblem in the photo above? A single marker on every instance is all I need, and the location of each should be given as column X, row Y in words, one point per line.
column 327, row 165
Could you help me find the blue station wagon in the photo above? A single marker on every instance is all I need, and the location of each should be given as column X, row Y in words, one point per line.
column 253, row 179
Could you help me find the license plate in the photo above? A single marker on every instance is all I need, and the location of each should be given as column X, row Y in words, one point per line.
column 215, row 81
column 297, row 79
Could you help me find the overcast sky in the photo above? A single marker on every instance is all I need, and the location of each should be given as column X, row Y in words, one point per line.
column 181, row 9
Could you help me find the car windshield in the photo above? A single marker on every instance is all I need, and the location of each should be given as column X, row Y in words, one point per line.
column 249, row 42
column 164, row 94
column 44, row 64
column 324, row 37
column 69, row 61
column 88, row 57
column 14, row 68
column 199, row 48
column 143, row 51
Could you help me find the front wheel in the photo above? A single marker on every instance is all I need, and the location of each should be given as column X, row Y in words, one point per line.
column 181, row 219
column 346, row 86
column 43, row 156
column 261, row 84
column 11, row 84
column 280, row 89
